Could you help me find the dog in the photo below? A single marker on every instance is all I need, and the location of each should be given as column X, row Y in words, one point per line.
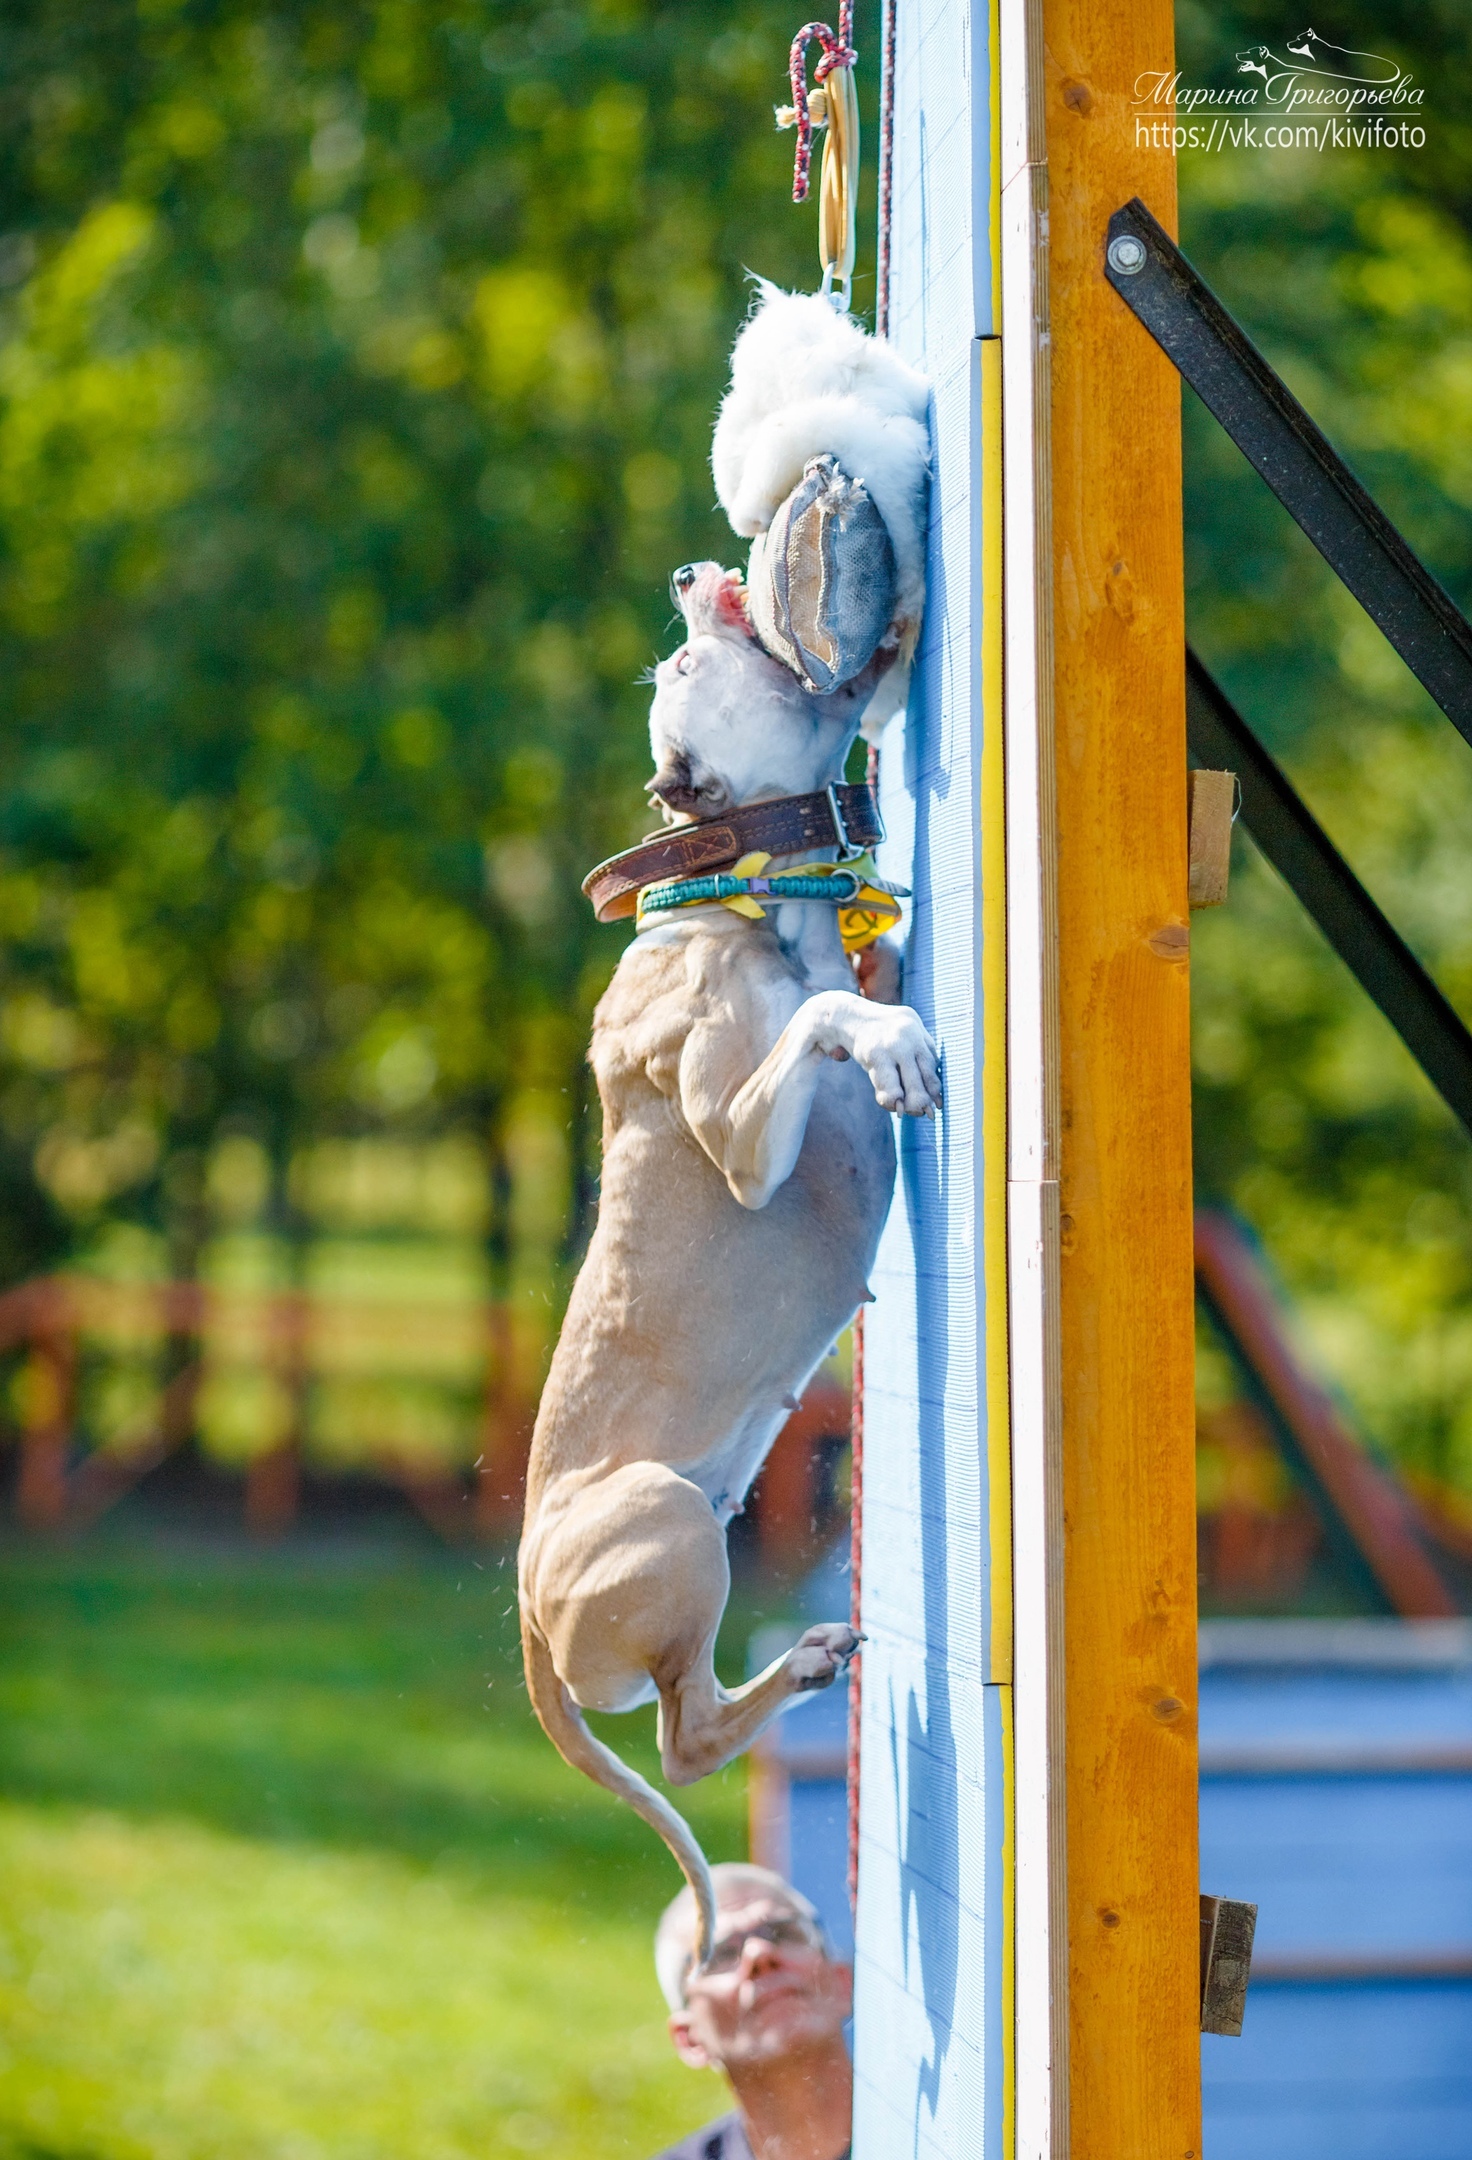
column 748, row 1165
column 1322, row 58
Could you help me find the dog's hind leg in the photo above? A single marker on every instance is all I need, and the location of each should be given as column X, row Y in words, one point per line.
column 627, row 1579
column 626, row 1584
column 703, row 1725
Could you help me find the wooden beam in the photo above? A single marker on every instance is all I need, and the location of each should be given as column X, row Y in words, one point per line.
column 1124, row 1148
column 1377, row 1518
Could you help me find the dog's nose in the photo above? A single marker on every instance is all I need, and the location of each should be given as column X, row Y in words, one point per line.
column 683, row 579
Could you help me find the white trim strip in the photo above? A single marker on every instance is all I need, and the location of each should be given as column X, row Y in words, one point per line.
column 1041, row 2059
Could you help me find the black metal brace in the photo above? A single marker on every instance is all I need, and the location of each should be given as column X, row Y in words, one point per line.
column 1302, row 468
column 1311, row 866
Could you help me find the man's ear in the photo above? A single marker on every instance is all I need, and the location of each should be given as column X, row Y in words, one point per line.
column 686, row 2046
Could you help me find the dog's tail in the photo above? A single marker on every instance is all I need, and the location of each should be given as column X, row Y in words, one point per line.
column 563, row 1724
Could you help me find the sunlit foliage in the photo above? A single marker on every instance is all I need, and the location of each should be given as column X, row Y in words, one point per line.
column 356, row 372
column 1355, row 275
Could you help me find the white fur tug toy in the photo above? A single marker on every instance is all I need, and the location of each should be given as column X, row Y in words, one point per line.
column 821, row 453
column 823, row 427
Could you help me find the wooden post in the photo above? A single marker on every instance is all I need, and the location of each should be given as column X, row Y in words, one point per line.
column 48, row 1392
column 273, row 1482
column 1124, row 1146
column 273, row 1479
column 785, row 1498
column 500, row 1474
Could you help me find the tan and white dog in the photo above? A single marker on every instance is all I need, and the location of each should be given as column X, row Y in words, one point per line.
column 748, row 1164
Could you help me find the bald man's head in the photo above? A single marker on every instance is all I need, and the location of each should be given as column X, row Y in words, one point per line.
column 770, row 1989
column 736, row 1883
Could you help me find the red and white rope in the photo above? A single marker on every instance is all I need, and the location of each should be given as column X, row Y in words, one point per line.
column 838, row 51
column 856, row 1549
column 886, row 166
column 856, row 1536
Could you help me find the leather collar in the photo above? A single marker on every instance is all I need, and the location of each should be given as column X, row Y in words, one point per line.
column 846, row 817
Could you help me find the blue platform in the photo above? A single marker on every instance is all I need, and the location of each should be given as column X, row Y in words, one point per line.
column 1336, row 1796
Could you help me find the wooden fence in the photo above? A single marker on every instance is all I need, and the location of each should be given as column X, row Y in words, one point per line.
column 291, row 1337
column 67, row 1477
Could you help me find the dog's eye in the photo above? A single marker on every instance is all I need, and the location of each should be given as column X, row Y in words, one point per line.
column 683, row 661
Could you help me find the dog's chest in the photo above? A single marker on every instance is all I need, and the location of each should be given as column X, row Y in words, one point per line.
column 845, row 1172
column 829, row 1211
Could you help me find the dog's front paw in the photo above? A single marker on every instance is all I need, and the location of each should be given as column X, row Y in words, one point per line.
column 822, row 1654
column 896, row 1051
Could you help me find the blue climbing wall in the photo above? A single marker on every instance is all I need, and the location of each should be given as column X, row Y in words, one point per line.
column 930, row 2035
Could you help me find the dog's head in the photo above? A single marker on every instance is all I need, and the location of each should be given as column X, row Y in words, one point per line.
column 729, row 724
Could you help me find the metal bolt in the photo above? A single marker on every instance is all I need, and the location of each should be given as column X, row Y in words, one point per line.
column 1127, row 255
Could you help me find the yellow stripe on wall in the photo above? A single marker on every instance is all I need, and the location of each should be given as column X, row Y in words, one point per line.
column 994, row 1018
column 994, row 1163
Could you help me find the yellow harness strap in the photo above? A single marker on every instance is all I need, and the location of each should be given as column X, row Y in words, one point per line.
column 862, row 918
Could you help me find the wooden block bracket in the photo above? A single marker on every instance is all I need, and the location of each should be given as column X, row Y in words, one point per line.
column 1227, row 1928
column 1211, row 799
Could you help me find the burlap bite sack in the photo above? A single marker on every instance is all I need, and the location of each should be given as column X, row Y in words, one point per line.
column 820, row 585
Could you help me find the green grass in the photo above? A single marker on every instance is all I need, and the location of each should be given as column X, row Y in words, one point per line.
column 287, row 1870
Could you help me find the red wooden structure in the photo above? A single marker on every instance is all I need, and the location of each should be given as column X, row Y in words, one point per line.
column 62, row 1486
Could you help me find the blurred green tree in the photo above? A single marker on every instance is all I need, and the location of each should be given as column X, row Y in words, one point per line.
column 1354, row 273
column 357, row 366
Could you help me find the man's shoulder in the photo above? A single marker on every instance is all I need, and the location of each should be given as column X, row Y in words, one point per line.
column 723, row 2140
